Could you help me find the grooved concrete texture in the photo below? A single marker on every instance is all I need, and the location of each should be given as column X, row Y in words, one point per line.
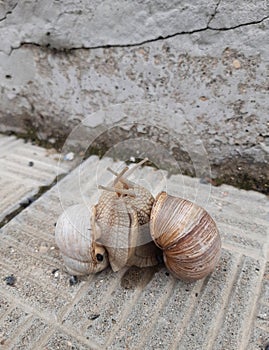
column 24, row 169
column 136, row 308
column 208, row 57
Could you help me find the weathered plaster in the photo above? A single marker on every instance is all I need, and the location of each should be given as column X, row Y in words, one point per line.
column 61, row 61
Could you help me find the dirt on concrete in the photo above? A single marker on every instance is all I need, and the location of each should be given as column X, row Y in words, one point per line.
column 241, row 172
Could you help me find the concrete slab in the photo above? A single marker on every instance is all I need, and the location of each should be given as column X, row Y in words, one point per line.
column 24, row 168
column 135, row 308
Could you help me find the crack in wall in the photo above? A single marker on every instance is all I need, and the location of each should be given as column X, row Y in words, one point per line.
column 9, row 12
column 246, row 24
column 214, row 13
column 148, row 41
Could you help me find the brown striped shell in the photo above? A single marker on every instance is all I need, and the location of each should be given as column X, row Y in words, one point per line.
column 187, row 235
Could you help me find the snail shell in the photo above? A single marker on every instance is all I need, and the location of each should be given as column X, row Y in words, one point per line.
column 76, row 241
column 122, row 220
column 123, row 224
column 187, row 235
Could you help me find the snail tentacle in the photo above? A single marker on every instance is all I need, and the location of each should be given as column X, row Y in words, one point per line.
column 117, row 190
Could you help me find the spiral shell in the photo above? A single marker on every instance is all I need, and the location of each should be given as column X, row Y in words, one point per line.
column 187, row 235
column 122, row 225
column 74, row 237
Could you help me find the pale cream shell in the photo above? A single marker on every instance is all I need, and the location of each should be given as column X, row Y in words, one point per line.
column 73, row 236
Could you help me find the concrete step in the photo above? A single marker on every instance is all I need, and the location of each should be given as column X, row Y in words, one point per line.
column 24, row 168
column 135, row 308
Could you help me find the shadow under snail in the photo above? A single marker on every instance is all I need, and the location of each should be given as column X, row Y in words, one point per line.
column 129, row 227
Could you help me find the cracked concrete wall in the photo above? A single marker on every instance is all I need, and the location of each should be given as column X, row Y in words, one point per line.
column 62, row 60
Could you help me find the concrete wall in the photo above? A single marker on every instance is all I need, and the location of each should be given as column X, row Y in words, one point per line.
column 60, row 61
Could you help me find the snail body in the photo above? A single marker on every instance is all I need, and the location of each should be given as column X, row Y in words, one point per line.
column 122, row 218
column 129, row 227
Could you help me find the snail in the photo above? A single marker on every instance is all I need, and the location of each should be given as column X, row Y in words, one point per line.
column 118, row 229
column 130, row 227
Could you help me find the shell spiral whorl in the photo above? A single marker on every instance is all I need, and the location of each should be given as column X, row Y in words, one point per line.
column 76, row 241
column 187, row 235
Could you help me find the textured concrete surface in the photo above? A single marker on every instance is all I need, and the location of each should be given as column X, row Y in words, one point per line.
column 136, row 308
column 78, row 24
column 61, row 61
column 83, row 24
column 24, row 169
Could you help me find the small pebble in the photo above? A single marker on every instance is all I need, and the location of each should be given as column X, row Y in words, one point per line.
column 31, row 163
column 73, row 280
column 27, row 202
column 10, row 280
column 236, row 64
column 55, row 272
column 94, row 317
column 52, row 140
column 69, row 156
